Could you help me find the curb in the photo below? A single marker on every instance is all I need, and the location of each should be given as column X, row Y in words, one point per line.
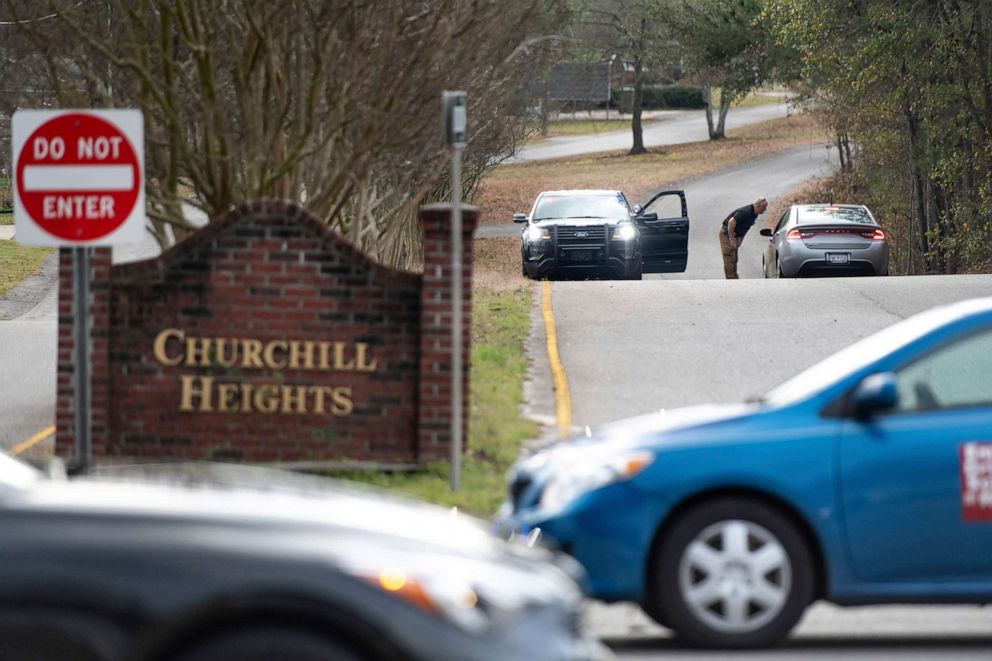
column 31, row 290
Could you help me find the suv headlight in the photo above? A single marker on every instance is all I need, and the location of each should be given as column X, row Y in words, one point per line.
column 573, row 480
column 535, row 234
column 624, row 232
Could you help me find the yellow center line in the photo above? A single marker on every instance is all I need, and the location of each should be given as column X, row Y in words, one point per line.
column 34, row 440
column 563, row 401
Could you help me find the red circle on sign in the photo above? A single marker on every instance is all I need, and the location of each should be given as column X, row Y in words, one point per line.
column 83, row 180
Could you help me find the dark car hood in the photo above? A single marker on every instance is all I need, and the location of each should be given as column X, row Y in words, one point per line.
column 259, row 499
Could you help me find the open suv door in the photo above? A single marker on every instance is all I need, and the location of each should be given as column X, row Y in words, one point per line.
column 664, row 240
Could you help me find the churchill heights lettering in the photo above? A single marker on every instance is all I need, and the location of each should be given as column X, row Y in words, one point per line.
column 209, row 394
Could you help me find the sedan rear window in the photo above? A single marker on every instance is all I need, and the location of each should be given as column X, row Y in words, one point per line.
column 829, row 214
column 581, row 206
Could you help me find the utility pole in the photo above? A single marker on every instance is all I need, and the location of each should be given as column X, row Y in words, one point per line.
column 455, row 115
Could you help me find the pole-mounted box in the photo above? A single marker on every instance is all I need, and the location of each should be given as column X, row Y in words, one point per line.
column 454, row 106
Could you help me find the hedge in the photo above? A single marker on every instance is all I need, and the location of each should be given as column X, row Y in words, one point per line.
column 661, row 96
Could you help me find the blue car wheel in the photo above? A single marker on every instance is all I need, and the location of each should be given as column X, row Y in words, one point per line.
column 732, row 572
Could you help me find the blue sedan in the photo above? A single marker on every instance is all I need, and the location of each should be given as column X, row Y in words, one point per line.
column 866, row 479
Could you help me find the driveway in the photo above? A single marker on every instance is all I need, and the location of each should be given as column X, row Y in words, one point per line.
column 672, row 128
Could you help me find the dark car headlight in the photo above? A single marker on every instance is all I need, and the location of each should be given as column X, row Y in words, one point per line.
column 469, row 593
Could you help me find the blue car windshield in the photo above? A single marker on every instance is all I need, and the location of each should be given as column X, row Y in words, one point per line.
column 551, row 207
column 856, row 357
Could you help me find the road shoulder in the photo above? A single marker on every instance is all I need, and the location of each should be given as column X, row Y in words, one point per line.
column 25, row 296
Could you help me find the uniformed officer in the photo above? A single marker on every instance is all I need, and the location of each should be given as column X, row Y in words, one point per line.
column 732, row 232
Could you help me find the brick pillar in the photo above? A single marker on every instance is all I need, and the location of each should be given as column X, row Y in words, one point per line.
column 434, row 405
column 99, row 303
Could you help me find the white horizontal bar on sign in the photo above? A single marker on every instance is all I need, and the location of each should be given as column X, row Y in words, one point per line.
column 56, row 178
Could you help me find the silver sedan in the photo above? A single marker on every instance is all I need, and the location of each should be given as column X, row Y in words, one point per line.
column 825, row 239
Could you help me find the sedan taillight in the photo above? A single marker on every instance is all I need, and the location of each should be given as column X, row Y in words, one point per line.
column 796, row 233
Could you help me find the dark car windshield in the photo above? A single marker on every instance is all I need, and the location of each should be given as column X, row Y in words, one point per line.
column 581, row 206
column 828, row 214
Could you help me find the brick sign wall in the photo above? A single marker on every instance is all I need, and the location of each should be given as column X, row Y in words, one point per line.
column 267, row 337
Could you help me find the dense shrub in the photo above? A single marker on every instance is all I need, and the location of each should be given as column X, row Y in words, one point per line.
column 661, row 96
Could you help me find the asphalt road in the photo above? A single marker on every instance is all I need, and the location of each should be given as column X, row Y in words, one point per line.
column 671, row 128
column 877, row 633
column 635, row 347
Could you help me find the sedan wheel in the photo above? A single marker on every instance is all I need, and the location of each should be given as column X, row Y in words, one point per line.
column 732, row 573
column 735, row 576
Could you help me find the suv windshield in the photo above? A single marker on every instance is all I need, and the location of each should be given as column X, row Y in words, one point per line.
column 551, row 207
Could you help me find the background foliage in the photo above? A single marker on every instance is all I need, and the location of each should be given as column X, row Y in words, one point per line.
column 332, row 103
column 906, row 85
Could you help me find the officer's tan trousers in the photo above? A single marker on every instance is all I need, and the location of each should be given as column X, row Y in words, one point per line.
column 729, row 256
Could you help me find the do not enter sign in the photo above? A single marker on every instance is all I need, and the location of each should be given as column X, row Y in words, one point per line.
column 78, row 177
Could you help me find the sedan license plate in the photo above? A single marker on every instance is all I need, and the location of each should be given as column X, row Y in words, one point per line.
column 838, row 258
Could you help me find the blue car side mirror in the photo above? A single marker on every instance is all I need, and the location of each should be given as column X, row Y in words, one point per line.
column 876, row 393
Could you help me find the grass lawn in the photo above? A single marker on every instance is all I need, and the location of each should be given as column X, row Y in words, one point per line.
column 512, row 188
column 17, row 262
column 561, row 127
column 501, row 321
column 6, row 217
column 759, row 98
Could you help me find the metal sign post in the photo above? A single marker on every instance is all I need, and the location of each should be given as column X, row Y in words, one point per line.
column 455, row 126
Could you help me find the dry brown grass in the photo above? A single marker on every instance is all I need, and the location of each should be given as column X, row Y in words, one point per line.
column 497, row 265
column 512, row 188
column 811, row 192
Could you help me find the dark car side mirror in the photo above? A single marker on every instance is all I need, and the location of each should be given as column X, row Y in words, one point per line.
column 765, row 232
column 648, row 216
column 876, row 393
column 520, row 218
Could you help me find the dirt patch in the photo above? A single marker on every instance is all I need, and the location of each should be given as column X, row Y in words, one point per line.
column 497, row 265
column 512, row 188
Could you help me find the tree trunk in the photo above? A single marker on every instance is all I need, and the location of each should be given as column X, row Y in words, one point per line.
column 635, row 124
column 708, row 101
column 724, row 108
column 919, row 189
column 716, row 132
column 843, row 142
